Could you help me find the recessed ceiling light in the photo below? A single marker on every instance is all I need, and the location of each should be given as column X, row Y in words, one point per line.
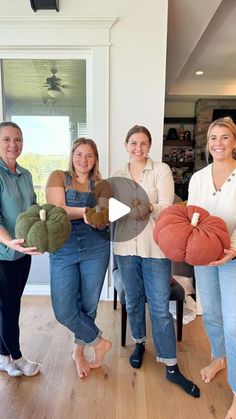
column 199, row 73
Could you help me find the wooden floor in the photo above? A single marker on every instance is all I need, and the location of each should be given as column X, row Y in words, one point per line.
column 115, row 391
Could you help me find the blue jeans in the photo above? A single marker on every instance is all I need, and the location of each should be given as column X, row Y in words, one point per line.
column 149, row 278
column 217, row 291
column 77, row 274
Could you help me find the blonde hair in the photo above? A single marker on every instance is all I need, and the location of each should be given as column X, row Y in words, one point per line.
column 225, row 122
column 94, row 172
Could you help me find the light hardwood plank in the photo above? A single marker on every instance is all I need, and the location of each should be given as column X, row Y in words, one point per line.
column 115, row 391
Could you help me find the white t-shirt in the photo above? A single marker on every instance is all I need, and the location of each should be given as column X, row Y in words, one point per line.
column 221, row 203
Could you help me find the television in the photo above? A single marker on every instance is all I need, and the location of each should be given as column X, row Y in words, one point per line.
column 221, row 113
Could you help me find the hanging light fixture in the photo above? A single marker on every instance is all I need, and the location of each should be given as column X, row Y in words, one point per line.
column 54, row 92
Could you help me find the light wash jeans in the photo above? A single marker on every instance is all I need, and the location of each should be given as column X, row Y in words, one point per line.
column 78, row 269
column 77, row 274
column 149, row 278
column 217, row 292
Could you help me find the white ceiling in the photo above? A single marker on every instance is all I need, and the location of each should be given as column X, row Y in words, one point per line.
column 201, row 36
column 25, row 80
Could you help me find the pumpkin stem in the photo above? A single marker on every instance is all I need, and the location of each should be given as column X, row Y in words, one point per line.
column 42, row 215
column 195, row 219
column 97, row 208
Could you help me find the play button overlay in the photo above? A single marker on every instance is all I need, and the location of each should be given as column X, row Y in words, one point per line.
column 129, row 207
column 117, row 210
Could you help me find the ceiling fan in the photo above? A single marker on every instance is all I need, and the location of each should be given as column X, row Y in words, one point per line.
column 54, row 84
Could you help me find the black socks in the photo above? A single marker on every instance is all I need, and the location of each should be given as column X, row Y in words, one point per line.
column 136, row 358
column 174, row 375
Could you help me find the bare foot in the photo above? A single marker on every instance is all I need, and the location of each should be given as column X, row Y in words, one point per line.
column 209, row 372
column 100, row 348
column 232, row 411
column 82, row 365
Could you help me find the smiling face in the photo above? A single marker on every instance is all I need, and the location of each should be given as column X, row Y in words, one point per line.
column 138, row 147
column 221, row 143
column 83, row 159
column 11, row 143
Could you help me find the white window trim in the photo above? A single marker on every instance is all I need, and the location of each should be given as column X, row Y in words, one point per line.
column 67, row 38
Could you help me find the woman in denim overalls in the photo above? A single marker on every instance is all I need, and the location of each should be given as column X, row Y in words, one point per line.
column 78, row 268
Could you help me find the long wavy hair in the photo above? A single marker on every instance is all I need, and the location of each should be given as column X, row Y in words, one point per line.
column 94, row 172
column 225, row 122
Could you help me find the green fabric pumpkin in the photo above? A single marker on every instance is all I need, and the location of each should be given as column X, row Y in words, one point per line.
column 46, row 227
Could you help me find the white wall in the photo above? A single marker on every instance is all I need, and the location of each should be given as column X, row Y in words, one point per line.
column 134, row 67
column 137, row 62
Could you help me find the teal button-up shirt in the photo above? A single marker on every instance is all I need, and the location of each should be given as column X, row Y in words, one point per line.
column 16, row 195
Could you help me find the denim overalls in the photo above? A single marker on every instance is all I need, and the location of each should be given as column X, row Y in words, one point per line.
column 78, row 270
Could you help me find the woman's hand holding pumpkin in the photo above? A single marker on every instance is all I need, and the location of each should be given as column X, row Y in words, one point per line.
column 16, row 244
column 85, row 210
column 140, row 210
column 97, row 217
column 229, row 255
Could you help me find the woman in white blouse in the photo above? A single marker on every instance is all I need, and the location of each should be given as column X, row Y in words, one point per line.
column 214, row 188
column 144, row 269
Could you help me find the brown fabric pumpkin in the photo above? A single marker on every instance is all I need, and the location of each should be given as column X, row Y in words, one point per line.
column 184, row 236
column 139, row 209
column 97, row 216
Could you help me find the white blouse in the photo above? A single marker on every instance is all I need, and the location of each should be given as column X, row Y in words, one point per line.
column 221, row 203
column 157, row 182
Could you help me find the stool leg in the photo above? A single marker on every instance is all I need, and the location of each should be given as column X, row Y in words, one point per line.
column 115, row 299
column 123, row 324
column 179, row 319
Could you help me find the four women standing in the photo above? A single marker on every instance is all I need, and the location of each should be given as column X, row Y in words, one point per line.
column 78, row 269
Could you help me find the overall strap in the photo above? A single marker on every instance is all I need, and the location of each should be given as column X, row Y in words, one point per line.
column 68, row 179
column 92, row 184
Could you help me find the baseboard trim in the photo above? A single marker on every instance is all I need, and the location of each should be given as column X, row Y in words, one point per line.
column 45, row 290
column 37, row 290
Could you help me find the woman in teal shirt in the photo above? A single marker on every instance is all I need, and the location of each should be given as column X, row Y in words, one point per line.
column 16, row 195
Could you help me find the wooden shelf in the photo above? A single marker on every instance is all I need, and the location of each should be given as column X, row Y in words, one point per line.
column 178, row 143
column 179, row 120
column 180, row 163
column 178, row 149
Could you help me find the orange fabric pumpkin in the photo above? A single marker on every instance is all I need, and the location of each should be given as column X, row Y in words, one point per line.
column 184, row 236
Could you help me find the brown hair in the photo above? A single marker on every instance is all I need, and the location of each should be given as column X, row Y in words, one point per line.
column 225, row 122
column 136, row 129
column 94, row 172
column 10, row 124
